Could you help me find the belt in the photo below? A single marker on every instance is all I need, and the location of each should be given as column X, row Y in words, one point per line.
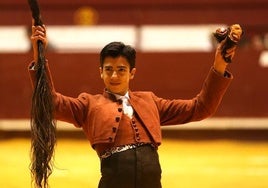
column 107, row 153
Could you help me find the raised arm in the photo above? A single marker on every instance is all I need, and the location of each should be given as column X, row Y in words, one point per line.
column 38, row 33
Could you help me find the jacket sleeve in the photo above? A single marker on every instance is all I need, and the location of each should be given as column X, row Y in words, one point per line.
column 68, row 109
column 205, row 104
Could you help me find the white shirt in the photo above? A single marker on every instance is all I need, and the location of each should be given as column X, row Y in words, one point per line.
column 127, row 108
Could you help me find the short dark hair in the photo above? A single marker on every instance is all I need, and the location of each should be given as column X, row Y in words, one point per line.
column 116, row 49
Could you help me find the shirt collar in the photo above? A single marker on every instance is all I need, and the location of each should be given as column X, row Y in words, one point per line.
column 118, row 96
column 121, row 96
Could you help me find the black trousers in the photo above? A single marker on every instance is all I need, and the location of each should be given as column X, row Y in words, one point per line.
column 134, row 168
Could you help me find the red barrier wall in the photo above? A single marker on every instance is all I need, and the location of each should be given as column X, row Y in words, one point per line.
column 169, row 75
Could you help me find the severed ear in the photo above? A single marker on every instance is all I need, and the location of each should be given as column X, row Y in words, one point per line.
column 229, row 37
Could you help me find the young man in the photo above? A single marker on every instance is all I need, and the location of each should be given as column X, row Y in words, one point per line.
column 123, row 126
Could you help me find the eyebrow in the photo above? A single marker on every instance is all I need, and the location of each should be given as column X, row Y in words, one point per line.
column 120, row 66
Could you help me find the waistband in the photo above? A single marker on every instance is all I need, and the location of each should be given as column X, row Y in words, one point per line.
column 107, row 153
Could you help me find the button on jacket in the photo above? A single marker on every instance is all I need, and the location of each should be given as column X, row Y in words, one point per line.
column 99, row 115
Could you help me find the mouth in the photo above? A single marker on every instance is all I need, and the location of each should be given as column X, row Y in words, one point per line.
column 114, row 84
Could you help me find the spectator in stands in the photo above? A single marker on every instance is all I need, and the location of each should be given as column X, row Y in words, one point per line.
column 124, row 126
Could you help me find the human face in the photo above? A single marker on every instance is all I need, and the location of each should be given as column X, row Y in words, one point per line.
column 116, row 74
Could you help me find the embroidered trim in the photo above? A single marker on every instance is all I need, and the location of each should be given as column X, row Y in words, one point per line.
column 107, row 153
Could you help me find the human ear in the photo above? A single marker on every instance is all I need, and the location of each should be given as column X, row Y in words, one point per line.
column 101, row 72
column 132, row 73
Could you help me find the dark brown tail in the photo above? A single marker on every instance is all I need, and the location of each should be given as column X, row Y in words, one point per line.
column 43, row 127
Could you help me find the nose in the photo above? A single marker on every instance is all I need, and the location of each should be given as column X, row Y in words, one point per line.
column 114, row 74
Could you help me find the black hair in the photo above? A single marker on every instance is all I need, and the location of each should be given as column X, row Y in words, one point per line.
column 116, row 49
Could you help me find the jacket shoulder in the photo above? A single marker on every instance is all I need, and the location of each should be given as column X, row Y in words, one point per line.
column 143, row 93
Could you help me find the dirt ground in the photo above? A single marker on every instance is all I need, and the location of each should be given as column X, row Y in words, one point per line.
column 185, row 164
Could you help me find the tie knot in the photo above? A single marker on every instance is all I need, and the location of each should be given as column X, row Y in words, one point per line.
column 124, row 98
column 128, row 110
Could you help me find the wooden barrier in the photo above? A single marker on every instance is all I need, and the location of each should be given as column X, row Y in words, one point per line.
column 169, row 75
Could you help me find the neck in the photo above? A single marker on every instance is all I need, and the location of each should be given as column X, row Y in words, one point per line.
column 116, row 93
